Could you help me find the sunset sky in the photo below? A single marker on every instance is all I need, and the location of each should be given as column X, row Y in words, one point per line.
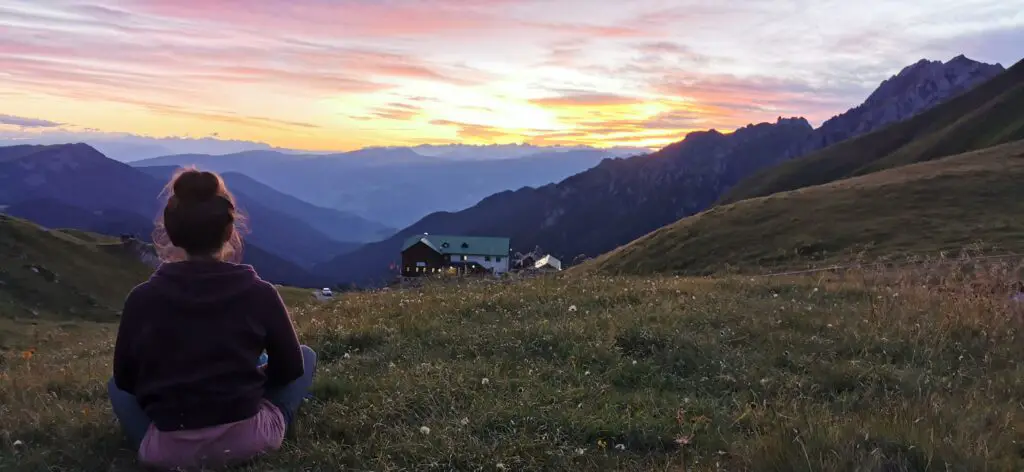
column 343, row 74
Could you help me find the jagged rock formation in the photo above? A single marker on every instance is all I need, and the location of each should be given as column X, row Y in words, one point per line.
column 918, row 87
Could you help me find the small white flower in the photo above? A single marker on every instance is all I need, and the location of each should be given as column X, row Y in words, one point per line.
column 621, row 447
column 586, row 373
column 634, row 361
column 775, row 295
column 829, row 325
column 484, row 381
column 347, row 355
column 464, row 421
column 391, row 365
column 424, row 430
column 572, row 307
column 580, row 451
column 815, row 289
column 18, row 443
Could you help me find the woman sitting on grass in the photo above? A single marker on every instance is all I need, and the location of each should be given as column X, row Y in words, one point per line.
column 187, row 388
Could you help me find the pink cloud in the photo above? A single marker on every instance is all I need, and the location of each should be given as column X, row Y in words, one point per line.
column 328, row 19
column 585, row 100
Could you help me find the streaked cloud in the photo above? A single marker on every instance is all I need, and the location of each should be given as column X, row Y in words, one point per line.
column 23, row 122
column 340, row 74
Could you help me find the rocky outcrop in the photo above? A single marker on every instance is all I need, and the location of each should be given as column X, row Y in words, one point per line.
column 916, row 88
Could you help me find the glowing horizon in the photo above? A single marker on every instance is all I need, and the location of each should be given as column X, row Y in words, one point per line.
column 338, row 75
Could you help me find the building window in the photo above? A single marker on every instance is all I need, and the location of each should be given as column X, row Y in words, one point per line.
column 497, row 259
column 487, row 258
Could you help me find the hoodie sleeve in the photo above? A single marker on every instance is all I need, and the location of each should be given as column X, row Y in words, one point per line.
column 284, row 357
column 125, row 364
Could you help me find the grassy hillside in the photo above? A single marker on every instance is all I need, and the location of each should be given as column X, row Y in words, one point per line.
column 988, row 115
column 924, row 208
column 60, row 275
column 600, row 373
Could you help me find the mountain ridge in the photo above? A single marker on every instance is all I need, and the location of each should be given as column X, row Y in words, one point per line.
column 74, row 184
column 342, row 227
column 397, row 189
column 961, row 124
column 918, row 210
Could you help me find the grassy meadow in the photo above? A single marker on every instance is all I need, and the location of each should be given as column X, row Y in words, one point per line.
column 870, row 371
column 971, row 200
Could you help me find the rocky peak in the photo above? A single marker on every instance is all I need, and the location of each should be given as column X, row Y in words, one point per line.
column 933, row 80
column 914, row 89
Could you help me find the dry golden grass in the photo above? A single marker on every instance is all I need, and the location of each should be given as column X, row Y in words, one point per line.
column 873, row 371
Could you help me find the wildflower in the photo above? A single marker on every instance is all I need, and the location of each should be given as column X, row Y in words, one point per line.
column 85, row 411
column 464, row 421
column 775, row 295
column 601, row 443
column 572, row 308
column 580, row 451
column 347, row 355
column 484, row 381
column 634, row 361
column 586, row 373
column 18, row 443
column 815, row 289
column 683, row 440
column 620, row 447
column 829, row 326
column 424, row 430
column 391, row 365
column 27, row 355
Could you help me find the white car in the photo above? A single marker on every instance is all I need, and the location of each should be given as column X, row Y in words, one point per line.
column 326, row 292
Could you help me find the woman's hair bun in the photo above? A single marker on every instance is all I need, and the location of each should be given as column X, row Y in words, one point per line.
column 196, row 186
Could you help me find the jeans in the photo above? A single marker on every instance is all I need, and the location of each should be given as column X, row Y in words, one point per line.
column 287, row 398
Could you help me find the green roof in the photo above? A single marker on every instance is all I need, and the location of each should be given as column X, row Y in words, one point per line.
column 468, row 245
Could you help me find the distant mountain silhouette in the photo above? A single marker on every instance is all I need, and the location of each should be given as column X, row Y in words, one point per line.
column 622, row 199
column 395, row 186
column 75, row 186
column 337, row 225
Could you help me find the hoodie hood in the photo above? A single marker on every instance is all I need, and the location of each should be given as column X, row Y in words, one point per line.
column 197, row 283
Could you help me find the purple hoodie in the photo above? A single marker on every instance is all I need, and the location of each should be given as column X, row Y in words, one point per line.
column 189, row 339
